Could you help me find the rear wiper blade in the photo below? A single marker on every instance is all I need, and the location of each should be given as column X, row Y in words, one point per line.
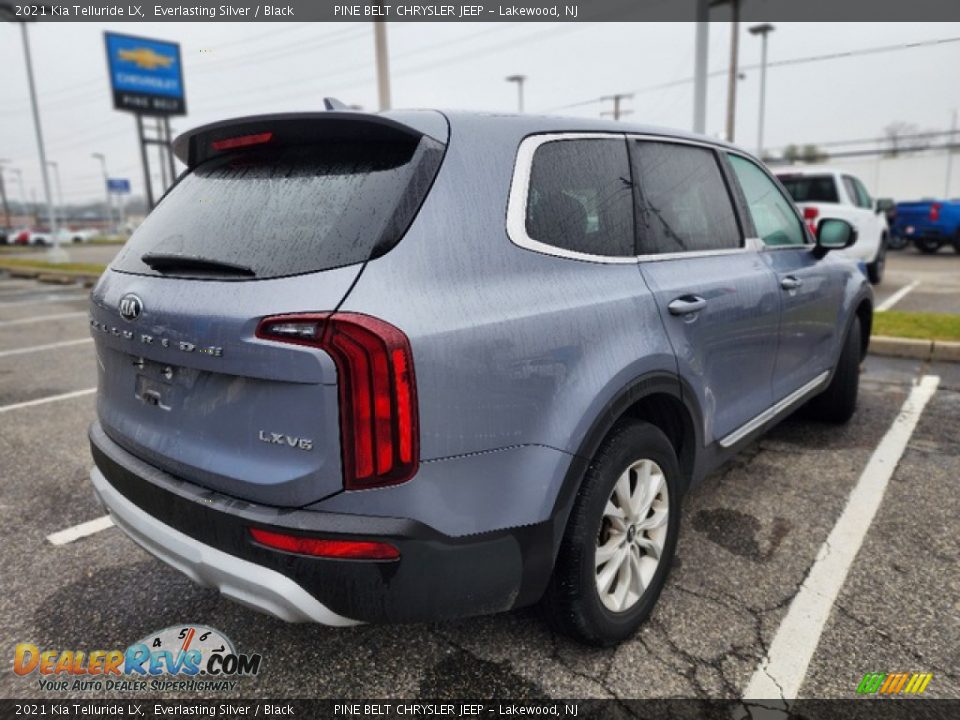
column 172, row 262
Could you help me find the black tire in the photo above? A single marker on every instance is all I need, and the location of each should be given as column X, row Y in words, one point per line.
column 928, row 246
column 572, row 602
column 838, row 402
column 876, row 268
column 896, row 242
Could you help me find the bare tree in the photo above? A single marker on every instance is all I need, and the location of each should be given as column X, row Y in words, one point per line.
column 894, row 134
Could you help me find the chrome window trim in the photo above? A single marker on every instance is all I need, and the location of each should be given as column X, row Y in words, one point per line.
column 771, row 412
column 520, row 190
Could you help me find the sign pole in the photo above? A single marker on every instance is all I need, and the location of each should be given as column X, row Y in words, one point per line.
column 161, row 145
column 148, row 188
column 173, row 169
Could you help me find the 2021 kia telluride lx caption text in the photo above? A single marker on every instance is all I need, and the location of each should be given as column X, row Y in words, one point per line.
column 417, row 365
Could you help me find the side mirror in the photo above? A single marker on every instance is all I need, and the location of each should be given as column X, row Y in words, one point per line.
column 885, row 205
column 833, row 234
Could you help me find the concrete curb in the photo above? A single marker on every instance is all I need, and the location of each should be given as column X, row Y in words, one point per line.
column 927, row 350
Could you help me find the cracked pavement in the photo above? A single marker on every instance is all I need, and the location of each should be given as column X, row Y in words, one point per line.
column 749, row 535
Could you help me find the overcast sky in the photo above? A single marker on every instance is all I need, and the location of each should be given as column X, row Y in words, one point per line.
column 245, row 68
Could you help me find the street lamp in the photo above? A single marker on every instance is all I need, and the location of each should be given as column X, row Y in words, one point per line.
column 56, row 174
column 3, row 199
column 108, row 208
column 762, row 30
column 519, row 80
column 8, row 12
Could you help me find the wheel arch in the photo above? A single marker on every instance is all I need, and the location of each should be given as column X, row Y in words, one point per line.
column 659, row 398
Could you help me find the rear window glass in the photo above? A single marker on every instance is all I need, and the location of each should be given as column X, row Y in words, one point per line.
column 811, row 188
column 288, row 210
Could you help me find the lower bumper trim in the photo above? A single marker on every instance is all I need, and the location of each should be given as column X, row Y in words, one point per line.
column 253, row 585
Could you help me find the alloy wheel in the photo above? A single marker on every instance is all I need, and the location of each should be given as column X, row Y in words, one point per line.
column 632, row 535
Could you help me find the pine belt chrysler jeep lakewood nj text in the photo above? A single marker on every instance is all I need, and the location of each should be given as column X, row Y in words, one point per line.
column 412, row 366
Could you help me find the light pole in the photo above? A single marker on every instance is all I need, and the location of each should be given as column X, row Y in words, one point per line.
column 56, row 253
column 108, row 208
column 56, row 174
column 701, row 45
column 519, row 80
column 3, row 199
column 383, row 64
column 763, row 31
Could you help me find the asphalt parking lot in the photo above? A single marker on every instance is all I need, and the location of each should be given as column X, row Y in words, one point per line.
column 915, row 282
column 750, row 535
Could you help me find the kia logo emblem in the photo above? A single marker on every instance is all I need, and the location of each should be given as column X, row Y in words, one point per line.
column 130, row 307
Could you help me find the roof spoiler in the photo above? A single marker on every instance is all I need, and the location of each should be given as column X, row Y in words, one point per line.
column 200, row 144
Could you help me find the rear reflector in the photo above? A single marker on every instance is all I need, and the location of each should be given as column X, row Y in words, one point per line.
column 379, row 421
column 317, row 547
column 241, row 141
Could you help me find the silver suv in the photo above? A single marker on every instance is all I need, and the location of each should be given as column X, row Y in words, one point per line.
column 413, row 366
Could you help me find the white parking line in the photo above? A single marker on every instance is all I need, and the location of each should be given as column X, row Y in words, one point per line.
column 897, row 297
column 45, row 400
column 38, row 318
column 38, row 348
column 782, row 671
column 45, row 301
column 62, row 537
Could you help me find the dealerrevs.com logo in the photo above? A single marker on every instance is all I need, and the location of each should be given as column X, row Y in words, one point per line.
column 897, row 683
column 178, row 658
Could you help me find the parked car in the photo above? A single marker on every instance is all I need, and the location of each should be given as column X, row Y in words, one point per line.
column 929, row 224
column 407, row 401
column 44, row 238
column 825, row 192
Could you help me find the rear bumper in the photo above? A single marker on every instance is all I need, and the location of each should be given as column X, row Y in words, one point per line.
column 248, row 583
column 205, row 535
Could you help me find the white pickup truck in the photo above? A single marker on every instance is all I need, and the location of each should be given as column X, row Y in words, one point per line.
column 826, row 192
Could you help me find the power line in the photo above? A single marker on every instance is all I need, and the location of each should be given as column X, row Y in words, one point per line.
column 778, row 63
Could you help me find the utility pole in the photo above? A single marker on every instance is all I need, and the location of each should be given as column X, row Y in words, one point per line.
column 763, row 31
column 617, row 112
column 519, row 80
column 700, row 67
column 383, row 64
column 951, row 147
column 734, row 60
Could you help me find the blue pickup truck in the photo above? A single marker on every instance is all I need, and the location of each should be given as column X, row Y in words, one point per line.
column 928, row 224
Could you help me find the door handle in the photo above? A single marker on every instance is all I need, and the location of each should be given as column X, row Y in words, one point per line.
column 687, row 304
column 791, row 283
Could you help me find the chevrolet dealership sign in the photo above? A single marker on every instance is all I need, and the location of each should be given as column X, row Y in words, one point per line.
column 146, row 76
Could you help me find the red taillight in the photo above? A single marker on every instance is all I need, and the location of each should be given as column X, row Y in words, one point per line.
column 379, row 425
column 935, row 212
column 318, row 547
column 241, row 141
column 810, row 215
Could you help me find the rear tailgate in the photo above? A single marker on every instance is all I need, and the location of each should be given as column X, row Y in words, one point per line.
column 188, row 386
column 276, row 216
column 914, row 219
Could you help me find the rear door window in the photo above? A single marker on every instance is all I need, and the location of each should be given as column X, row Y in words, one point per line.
column 580, row 197
column 291, row 209
column 684, row 204
column 811, row 188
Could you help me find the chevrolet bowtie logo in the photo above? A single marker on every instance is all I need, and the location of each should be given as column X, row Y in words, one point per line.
column 146, row 58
